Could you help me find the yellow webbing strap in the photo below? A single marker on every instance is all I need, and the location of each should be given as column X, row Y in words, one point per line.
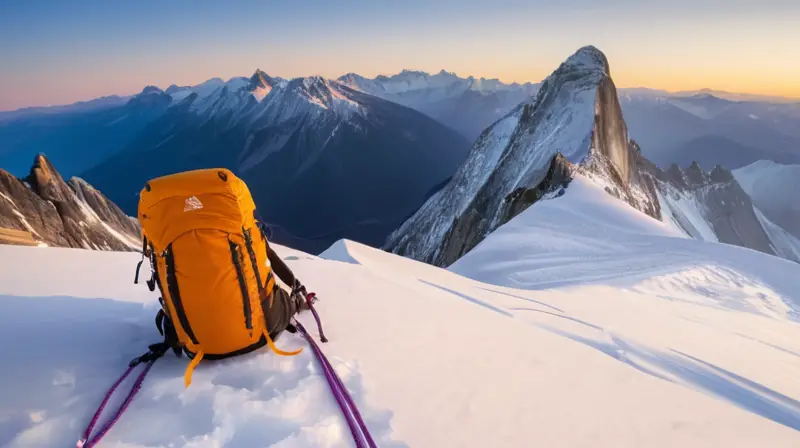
column 277, row 350
column 187, row 376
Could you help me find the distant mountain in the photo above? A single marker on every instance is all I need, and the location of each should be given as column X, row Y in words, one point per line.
column 324, row 161
column 78, row 107
column 712, row 130
column 468, row 105
column 74, row 137
column 733, row 96
column 712, row 150
column 773, row 188
column 66, row 214
column 575, row 126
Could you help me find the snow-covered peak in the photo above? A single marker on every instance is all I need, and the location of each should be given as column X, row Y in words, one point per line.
column 238, row 83
column 151, row 90
column 486, row 85
column 574, row 119
column 589, row 58
column 324, row 93
column 261, row 84
column 409, row 80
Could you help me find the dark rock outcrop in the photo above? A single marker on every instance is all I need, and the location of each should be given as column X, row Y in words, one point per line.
column 61, row 214
column 718, row 201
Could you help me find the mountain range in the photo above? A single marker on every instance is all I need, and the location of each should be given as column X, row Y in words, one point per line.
column 468, row 105
column 711, row 130
column 575, row 126
column 365, row 154
column 361, row 164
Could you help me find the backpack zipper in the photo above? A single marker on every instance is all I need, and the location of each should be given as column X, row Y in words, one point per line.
column 248, row 241
column 235, row 256
column 175, row 294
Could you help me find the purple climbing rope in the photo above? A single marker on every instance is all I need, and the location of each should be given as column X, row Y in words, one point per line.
column 85, row 442
column 356, row 423
column 310, row 301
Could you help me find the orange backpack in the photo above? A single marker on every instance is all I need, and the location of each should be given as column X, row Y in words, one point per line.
column 209, row 260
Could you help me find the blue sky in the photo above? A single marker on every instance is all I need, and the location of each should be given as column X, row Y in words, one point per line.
column 57, row 52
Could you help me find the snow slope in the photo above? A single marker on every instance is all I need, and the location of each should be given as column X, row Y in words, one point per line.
column 784, row 243
column 595, row 326
column 772, row 187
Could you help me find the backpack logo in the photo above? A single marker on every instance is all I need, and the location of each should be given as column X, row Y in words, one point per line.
column 192, row 204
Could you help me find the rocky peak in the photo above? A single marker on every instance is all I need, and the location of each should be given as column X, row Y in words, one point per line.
column 695, row 175
column 262, row 80
column 588, row 58
column 59, row 214
column 152, row 96
column 717, row 200
column 574, row 124
column 46, row 181
column 151, row 90
column 720, row 174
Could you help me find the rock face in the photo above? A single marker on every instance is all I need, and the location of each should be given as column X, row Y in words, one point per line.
column 61, row 214
column 712, row 206
column 573, row 123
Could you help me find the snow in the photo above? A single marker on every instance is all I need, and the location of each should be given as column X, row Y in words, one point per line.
column 771, row 186
column 25, row 222
column 687, row 212
column 202, row 90
column 409, row 80
column 19, row 215
column 125, row 239
column 4, row 196
column 237, row 83
column 260, row 92
column 456, row 196
column 581, row 322
column 785, row 244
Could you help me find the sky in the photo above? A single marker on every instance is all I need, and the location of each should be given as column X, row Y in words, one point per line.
column 59, row 52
